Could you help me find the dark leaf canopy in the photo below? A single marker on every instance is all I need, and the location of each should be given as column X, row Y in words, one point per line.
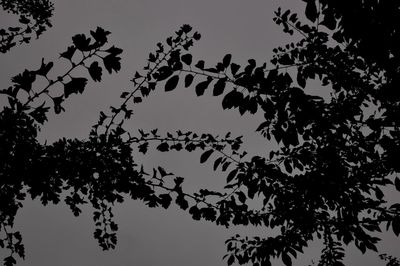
column 327, row 176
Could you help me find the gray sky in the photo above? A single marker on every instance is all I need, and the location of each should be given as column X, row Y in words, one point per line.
column 52, row 235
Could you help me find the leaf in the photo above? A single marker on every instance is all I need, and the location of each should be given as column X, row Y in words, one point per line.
column 137, row 99
column 112, row 62
column 24, row 81
column 178, row 181
column 231, row 259
column 288, row 166
column 301, row 80
column 44, row 68
column 187, row 59
column 143, row 147
column 234, row 68
column 311, row 10
column 39, row 113
column 114, row 50
column 286, row 259
column 397, row 183
column 81, row 42
column 262, row 126
column 24, row 20
column 379, row 194
column 124, row 95
column 172, row 83
column 182, row 202
column 396, row 226
column 219, row 87
column 57, row 104
column 195, row 212
column 9, row 261
column 217, row 163
column 202, row 86
column 205, row 156
column 231, row 175
column 232, row 99
column 69, row 53
column 95, row 71
column 74, row 86
column 200, row 65
column 329, row 20
column 188, row 80
column 164, row 72
column 226, row 60
column 241, row 196
column 163, row 147
column 162, row 171
column 165, row 200
column 196, row 36
column 186, row 28
column 100, row 35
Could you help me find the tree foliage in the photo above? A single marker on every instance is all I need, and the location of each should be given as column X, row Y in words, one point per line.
column 34, row 18
column 327, row 179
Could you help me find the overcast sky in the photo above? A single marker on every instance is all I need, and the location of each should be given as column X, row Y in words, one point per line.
column 52, row 235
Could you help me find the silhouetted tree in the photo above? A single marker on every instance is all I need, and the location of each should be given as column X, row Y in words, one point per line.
column 327, row 179
column 34, row 18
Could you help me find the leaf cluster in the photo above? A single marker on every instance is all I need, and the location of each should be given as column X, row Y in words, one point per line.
column 34, row 19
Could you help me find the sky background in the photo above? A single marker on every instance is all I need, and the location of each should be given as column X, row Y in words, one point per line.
column 52, row 235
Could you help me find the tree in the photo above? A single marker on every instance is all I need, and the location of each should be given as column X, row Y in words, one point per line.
column 34, row 18
column 336, row 156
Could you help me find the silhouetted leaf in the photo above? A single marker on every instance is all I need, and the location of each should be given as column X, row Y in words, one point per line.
column 329, row 19
column 219, row 86
column 311, row 10
column 57, row 104
column 378, row 192
column 74, row 86
column 69, row 53
column 143, row 147
column 163, row 147
column 188, row 80
column 205, row 156
column 202, row 86
column 195, row 212
column 164, row 72
column 124, row 95
column 112, row 62
column 95, row 71
column 187, row 59
column 165, row 200
column 397, row 183
column 217, row 163
column 182, row 202
column 396, row 226
column 301, row 79
column 114, row 50
column 9, row 261
column 231, row 175
column 44, row 68
column 242, row 197
column 39, row 113
column 100, row 35
column 226, row 60
column 288, row 166
column 24, row 81
column 200, row 65
column 286, row 259
column 231, row 259
column 234, row 68
column 137, row 99
column 172, row 83
column 81, row 42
